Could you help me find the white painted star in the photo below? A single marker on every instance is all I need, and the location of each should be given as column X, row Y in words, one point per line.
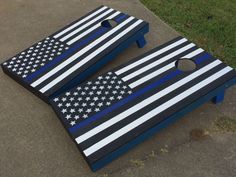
column 68, row 116
column 67, row 93
column 95, row 98
column 76, row 117
column 97, row 109
column 111, row 98
column 88, row 110
column 102, row 87
column 85, row 116
column 64, row 111
column 56, row 99
column 75, row 93
column 76, row 104
column 72, row 123
column 122, row 92
column 72, row 110
column 92, row 104
column 68, row 104
column 91, row 93
column 100, row 77
column 100, row 104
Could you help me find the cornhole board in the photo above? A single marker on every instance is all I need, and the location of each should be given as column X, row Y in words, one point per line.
column 69, row 56
column 111, row 114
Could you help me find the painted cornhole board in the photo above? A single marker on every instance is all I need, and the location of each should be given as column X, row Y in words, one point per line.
column 114, row 112
column 69, row 56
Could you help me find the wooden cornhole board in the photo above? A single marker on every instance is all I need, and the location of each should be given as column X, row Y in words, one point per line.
column 109, row 115
column 69, row 56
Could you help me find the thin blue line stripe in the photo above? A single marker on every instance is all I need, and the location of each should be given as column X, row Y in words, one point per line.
column 202, row 58
column 133, row 96
column 73, row 49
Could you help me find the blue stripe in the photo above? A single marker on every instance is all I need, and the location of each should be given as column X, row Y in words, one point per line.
column 133, row 96
column 202, row 58
column 121, row 17
column 124, row 101
column 69, row 52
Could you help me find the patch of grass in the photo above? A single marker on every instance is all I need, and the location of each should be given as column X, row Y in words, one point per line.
column 225, row 124
column 209, row 23
column 137, row 162
column 198, row 134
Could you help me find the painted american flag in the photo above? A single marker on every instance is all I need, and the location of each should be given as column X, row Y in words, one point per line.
column 103, row 114
column 51, row 63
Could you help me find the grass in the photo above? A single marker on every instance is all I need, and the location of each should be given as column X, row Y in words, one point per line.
column 225, row 124
column 209, row 23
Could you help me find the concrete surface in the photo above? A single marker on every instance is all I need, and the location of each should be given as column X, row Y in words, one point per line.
column 34, row 143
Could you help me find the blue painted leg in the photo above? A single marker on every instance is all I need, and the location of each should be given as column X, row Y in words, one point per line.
column 219, row 97
column 141, row 42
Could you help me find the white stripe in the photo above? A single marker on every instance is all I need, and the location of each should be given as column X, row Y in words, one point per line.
column 151, row 75
column 79, row 22
column 90, row 29
column 89, row 57
column 145, row 102
column 154, row 112
column 155, row 54
column 157, row 62
column 194, row 53
column 85, row 25
column 81, row 52
column 162, row 70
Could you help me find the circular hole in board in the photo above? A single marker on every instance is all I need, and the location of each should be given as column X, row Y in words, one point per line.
column 185, row 64
column 109, row 23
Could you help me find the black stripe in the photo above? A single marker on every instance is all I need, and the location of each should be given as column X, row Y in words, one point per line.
column 140, row 129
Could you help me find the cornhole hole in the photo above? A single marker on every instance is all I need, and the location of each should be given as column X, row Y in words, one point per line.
column 111, row 114
column 67, row 57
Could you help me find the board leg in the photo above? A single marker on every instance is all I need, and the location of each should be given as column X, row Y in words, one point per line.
column 219, row 97
column 141, row 42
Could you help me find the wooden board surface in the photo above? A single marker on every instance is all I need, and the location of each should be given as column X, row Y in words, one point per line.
column 108, row 112
column 50, row 64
